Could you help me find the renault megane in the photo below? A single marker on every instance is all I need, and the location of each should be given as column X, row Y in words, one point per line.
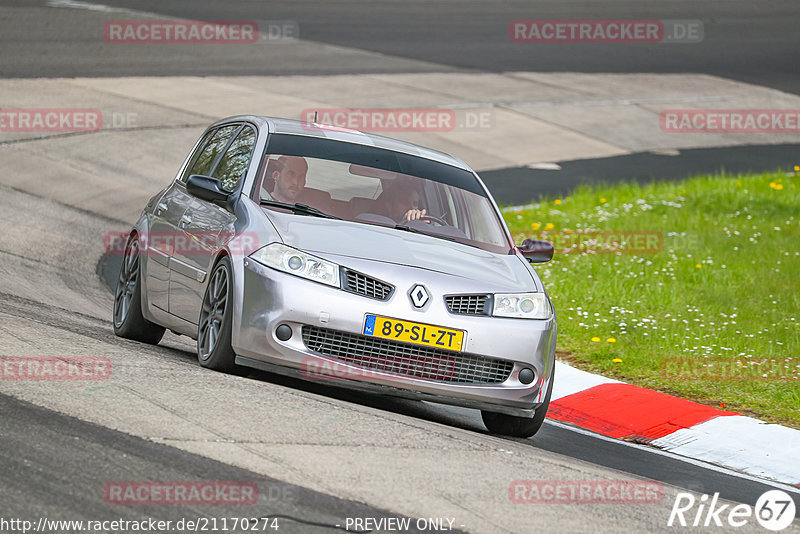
column 337, row 255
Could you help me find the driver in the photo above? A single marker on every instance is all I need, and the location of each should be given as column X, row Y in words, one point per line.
column 290, row 178
column 401, row 202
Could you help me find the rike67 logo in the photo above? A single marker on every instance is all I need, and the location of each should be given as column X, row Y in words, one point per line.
column 774, row 510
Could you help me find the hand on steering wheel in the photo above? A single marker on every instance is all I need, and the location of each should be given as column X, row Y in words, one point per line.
column 419, row 215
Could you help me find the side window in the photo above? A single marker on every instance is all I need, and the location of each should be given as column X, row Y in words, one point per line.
column 196, row 154
column 205, row 161
column 233, row 165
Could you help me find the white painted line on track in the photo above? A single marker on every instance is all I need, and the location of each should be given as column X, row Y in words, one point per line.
column 75, row 4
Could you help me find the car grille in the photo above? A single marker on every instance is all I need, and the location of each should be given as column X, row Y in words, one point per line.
column 405, row 359
column 362, row 284
column 468, row 304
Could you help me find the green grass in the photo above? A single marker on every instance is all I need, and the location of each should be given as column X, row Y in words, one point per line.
column 724, row 286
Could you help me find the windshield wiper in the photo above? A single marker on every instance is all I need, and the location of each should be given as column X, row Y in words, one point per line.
column 299, row 209
column 418, row 231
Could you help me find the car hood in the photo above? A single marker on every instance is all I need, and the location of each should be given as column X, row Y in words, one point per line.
column 327, row 237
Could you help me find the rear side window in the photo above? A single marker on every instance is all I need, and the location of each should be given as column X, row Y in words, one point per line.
column 211, row 151
column 233, row 165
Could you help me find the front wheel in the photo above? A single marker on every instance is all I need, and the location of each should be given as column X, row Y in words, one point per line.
column 519, row 427
column 129, row 322
column 214, row 349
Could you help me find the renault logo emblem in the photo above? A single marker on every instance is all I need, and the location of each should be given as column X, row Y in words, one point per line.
column 419, row 296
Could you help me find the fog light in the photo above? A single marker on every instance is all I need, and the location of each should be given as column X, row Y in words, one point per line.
column 283, row 332
column 526, row 376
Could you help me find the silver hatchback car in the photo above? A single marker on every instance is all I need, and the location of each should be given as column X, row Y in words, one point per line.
column 336, row 255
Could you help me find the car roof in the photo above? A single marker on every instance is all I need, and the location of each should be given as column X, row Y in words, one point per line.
column 294, row 127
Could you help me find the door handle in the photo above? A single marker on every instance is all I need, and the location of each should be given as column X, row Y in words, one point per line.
column 186, row 219
column 162, row 206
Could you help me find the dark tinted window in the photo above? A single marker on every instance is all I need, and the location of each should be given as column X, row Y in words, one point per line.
column 379, row 158
column 212, row 150
column 233, row 165
column 196, row 154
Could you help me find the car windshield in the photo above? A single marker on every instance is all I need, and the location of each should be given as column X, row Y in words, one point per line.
column 366, row 194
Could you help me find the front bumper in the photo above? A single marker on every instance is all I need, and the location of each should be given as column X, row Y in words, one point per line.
column 270, row 298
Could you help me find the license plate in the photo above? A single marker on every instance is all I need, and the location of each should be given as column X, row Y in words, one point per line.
column 416, row 333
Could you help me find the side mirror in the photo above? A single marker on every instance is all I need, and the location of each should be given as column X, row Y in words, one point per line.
column 536, row 250
column 210, row 189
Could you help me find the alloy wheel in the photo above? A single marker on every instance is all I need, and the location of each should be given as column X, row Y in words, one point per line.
column 126, row 284
column 213, row 312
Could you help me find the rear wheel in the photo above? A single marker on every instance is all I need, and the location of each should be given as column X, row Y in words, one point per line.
column 519, row 427
column 214, row 349
column 129, row 322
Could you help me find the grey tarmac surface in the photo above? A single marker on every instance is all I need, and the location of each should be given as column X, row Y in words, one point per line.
column 518, row 185
column 749, row 41
column 60, row 194
column 67, row 464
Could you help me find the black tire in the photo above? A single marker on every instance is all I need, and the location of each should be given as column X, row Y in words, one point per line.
column 214, row 329
column 519, row 427
column 129, row 322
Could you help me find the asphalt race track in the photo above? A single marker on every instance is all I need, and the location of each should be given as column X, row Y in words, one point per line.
column 741, row 41
column 78, row 450
column 317, row 454
column 753, row 42
column 515, row 185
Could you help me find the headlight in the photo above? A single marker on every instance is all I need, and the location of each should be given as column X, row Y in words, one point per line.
column 293, row 261
column 523, row 305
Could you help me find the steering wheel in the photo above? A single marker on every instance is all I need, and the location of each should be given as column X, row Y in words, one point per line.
column 427, row 218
